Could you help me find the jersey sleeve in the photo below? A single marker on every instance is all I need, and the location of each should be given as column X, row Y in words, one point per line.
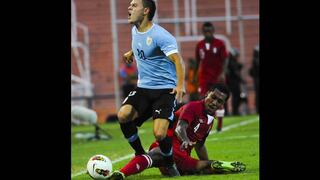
column 167, row 43
column 197, row 53
column 133, row 31
column 188, row 114
column 223, row 51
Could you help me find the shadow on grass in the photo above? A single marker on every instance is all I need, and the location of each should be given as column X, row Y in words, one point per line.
column 145, row 176
column 158, row 176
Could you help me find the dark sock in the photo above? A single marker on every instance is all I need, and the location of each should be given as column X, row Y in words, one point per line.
column 136, row 145
column 130, row 132
column 166, row 149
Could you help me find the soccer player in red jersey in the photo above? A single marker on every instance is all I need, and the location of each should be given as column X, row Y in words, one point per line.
column 211, row 55
column 193, row 123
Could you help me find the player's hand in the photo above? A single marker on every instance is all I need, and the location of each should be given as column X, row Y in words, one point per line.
column 179, row 91
column 128, row 57
column 186, row 143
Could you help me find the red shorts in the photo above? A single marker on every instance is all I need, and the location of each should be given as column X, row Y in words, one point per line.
column 185, row 163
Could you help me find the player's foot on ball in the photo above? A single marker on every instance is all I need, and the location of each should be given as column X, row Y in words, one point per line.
column 228, row 166
column 172, row 170
column 116, row 175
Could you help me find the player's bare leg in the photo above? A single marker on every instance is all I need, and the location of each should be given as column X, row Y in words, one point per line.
column 160, row 128
column 126, row 115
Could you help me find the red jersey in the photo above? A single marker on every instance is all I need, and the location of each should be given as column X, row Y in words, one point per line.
column 211, row 57
column 200, row 123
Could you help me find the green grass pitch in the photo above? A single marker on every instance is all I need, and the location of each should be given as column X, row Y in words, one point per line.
column 239, row 141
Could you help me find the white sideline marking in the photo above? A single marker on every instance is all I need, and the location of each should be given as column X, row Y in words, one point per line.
column 233, row 137
column 78, row 173
column 122, row 158
column 243, row 123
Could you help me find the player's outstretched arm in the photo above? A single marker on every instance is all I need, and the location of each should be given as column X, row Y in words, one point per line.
column 181, row 133
column 201, row 151
column 180, row 69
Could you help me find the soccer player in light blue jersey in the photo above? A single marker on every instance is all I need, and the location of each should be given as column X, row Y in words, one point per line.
column 160, row 84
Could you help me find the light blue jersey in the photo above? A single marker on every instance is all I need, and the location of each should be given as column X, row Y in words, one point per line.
column 150, row 49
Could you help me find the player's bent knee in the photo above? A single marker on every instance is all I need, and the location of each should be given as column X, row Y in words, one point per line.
column 126, row 114
column 159, row 135
column 160, row 128
column 122, row 117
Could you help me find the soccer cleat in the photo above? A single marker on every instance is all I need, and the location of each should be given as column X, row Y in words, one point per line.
column 172, row 170
column 224, row 166
column 116, row 175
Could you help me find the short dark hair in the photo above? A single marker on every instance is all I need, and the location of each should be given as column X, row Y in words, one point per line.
column 207, row 24
column 222, row 88
column 152, row 7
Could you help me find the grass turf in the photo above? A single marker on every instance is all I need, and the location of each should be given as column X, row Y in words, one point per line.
column 239, row 143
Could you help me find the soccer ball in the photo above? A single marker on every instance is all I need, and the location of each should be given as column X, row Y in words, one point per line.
column 99, row 167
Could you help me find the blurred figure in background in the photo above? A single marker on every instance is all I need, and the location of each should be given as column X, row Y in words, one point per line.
column 192, row 86
column 128, row 78
column 235, row 80
column 211, row 61
column 254, row 73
